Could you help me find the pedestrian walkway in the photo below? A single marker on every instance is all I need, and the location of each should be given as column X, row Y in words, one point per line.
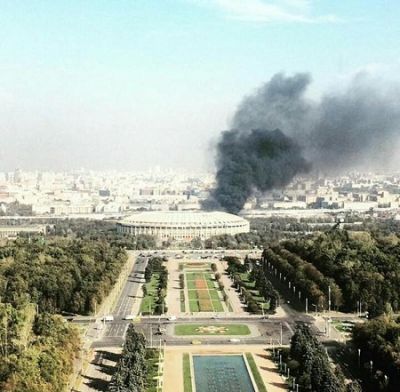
column 173, row 298
column 237, row 306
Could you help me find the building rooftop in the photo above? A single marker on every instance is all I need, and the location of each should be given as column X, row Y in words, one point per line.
column 183, row 218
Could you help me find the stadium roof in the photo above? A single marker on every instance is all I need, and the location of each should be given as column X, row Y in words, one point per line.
column 184, row 218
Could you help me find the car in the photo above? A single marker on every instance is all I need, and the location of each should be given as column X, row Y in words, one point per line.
column 171, row 318
column 108, row 318
column 129, row 317
column 234, row 340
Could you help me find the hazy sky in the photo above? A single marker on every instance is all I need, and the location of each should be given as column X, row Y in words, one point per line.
column 131, row 84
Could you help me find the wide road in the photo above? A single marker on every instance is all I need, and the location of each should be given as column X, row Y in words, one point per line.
column 155, row 332
column 126, row 300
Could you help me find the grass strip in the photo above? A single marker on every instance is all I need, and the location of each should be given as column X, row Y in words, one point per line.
column 194, row 306
column 149, row 301
column 256, row 374
column 187, row 378
column 217, row 305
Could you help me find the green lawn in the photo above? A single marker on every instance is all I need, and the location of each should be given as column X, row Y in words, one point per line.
column 194, row 275
column 249, row 285
column 192, row 294
column 187, row 378
column 211, row 288
column 194, row 306
column 342, row 326
column 149, row 301
column 210, row 284
column 245, row 279
column 256, row 374
column 214, row 295
column 218, row 306
column 226, row 329
column 191, row 285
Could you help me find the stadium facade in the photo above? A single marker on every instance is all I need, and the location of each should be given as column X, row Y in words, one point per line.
column 183, row 226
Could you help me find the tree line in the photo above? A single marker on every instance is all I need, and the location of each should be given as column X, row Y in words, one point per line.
column 310, row 366
column 258, row 277
column 155, row 266
column 59, row 274
column 359, row 267
column 137, row 366
column 100, row 230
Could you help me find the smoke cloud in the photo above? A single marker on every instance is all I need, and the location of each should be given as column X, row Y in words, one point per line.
column 278, row 133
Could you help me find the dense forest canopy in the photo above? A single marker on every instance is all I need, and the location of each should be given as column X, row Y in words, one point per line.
column 37, row 351
column 358, row 266
column 378, row 344
column 59, row 274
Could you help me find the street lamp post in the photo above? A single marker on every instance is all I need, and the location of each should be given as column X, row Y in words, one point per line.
column 329, row 298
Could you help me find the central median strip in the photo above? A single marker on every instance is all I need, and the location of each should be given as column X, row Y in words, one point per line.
column 212, row 330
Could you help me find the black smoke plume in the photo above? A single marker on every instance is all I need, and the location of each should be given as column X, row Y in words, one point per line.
column 258, row 160
column 357, row 127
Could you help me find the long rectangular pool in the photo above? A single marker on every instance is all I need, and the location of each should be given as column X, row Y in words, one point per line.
column 221, row 373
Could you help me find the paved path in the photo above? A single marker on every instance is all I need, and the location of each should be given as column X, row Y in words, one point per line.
column 237, row 306
column 173, row 293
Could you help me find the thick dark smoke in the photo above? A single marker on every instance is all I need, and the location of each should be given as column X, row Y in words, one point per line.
column 357, row 127
column 257, row 160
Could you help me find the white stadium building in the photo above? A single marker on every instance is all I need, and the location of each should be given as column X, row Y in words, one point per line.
column 183, row 225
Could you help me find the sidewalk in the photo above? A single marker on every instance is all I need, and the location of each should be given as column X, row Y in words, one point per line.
column 237, row 306
column 173, row 299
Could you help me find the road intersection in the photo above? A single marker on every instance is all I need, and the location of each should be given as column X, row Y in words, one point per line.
column 108, row 336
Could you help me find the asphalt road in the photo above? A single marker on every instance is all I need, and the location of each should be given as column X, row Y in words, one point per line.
column 270, row 332
column 125, row 302
column 113, row 335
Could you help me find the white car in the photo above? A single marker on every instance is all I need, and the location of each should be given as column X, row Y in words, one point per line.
column 234, row 340
column 129, row 317
column 171, row 318
column 108, row 318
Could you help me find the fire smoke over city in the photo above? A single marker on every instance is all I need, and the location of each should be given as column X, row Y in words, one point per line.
column 278, row 133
